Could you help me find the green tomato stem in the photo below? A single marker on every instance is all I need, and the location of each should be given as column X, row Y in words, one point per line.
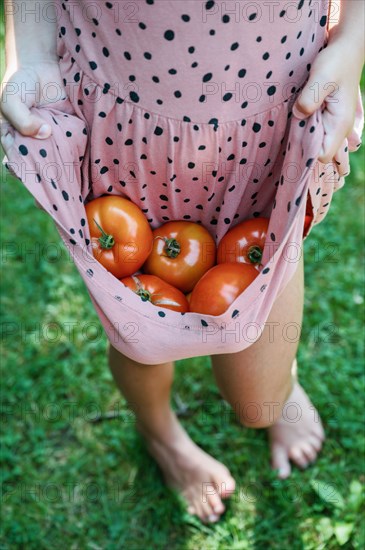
column 172, row 247
column 254, row 254
column 144, row 294
column 106, row 241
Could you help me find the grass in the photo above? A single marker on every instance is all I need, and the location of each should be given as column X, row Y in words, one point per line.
column 69, row 482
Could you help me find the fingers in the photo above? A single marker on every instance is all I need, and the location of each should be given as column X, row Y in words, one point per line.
column 336, row 112
column 4, row 128
column 7, row 141
column 18, row 114
column 28, row 124
column 311, row 98
column 336, row 126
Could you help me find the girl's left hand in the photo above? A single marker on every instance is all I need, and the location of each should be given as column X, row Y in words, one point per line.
column 334, row 79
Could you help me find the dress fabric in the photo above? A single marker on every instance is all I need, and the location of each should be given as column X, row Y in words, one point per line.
column 185, row 107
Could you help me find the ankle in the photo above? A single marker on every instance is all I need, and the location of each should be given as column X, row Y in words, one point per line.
column 162, row 429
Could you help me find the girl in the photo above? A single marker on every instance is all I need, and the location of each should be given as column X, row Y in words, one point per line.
column 194, row 110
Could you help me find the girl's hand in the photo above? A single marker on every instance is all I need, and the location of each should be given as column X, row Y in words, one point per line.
column 29, row 86
column 334, row 79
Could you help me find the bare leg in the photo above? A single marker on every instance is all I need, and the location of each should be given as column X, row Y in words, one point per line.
column 201, row 480
column 259, row 385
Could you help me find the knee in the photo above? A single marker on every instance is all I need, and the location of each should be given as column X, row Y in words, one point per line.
column 261, row 414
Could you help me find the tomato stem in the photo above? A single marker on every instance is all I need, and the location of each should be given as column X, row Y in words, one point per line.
column 254, row 254
column 144, row 294
column 106, row 241
column 172, row 247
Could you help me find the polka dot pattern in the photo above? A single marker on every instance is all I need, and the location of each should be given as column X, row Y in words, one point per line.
column 185, row 58
column 188, row 113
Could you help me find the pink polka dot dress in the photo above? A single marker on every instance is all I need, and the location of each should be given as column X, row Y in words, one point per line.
column 185, row 107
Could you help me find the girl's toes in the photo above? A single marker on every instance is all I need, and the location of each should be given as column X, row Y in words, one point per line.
column 227, row 487
column 213, row 507
column 318, row 430
column 315, row 442
column 280, row 461
column 212, row 518
column 212, row 498
column 296, row 454
column 321, row 433
column 201, row 511
column 309, row 452
column 217, row 505
column 207, row 514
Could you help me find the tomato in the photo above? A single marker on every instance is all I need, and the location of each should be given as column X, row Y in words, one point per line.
column 220, row 286
column 121, row 237
column 182, row 252
column 308, row 215
column 244, row 243
column 307, row 222
column 188, row 296
column 157, row 291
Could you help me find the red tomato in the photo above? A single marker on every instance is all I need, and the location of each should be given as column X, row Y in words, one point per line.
column 157, row 291
column 182, row 252
column 308, row 215
column 307, row 222
column 220, row 286
column 244, row 243
column 121, row 237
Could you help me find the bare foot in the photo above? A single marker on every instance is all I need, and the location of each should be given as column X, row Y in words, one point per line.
column 297, row 435
column 199, row 478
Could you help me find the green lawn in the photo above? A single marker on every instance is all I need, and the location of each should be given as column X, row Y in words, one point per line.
column 73, row 483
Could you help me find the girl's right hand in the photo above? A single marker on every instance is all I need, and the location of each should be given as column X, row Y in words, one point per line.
column 29, row 86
